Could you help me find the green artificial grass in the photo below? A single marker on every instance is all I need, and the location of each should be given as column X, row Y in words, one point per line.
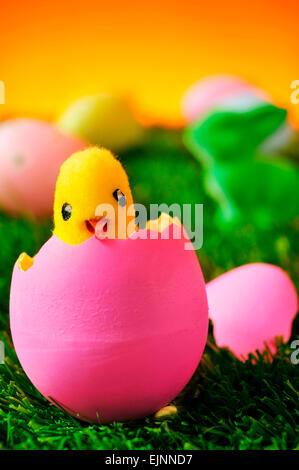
column 227, row 404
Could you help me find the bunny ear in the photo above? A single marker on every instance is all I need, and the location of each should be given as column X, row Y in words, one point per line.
column 232, row 135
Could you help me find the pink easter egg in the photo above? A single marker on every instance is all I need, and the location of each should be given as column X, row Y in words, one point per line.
column 218, row 90
column 110, row 330
column 31, row 153
column 251, row 305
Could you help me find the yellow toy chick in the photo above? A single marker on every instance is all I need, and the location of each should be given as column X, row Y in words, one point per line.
column 86, row 180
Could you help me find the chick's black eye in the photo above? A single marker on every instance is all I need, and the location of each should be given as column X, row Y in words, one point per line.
column 66, row 211
column 119, row 197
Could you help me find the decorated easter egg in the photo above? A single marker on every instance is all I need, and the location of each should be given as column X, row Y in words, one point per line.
column 226, row 93
column 250, row 306
column 110, row 330
column 103, row 120
column 31, row 153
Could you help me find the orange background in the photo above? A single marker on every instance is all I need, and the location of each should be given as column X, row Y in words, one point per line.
column 51, row 52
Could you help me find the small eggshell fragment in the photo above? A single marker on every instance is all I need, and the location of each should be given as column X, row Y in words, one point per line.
column 24, row 262
column 110, row 330
column 31, row 153
column 251, row 305
column 165, row 412
column 103, row 120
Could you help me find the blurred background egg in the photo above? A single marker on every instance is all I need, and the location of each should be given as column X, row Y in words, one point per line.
column 103, row 120
column 31, row 153
column 250, row 306
column 112, row 330
column 219, row 90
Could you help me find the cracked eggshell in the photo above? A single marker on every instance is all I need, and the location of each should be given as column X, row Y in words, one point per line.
column 251, row 305
column 110, row 330
column 31, row 153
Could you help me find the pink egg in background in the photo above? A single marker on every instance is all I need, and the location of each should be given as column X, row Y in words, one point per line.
column 31, row 153
column 218, row 90
column 110, row 330
column 251, row 305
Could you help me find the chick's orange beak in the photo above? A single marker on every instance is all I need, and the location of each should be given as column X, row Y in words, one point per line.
column 92, row 223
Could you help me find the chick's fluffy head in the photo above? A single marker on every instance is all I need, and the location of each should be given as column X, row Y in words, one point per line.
column 86, row 180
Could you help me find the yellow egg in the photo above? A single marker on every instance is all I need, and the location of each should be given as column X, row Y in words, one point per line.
column 103, row 120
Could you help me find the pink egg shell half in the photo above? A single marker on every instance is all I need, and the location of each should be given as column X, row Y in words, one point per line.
column 210, row 91
column 251, row 305
column 112, row 330
column 31, row 153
